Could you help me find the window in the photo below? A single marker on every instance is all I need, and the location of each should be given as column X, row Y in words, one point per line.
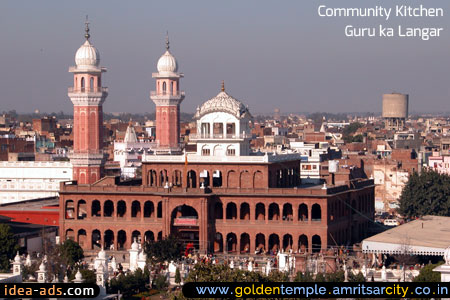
column 206, row 152
column 231, row 152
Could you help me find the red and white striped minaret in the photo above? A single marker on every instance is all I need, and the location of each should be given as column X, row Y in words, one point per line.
column 167, row 98
column 87, row 96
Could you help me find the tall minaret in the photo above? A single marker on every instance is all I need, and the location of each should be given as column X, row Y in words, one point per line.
column 87, row 96
column 167, row 98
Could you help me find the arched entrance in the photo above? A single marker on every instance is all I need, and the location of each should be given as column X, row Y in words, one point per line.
column 185, row 225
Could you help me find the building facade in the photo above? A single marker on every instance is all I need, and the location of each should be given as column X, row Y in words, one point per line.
column 222, row 197
column 25, row 180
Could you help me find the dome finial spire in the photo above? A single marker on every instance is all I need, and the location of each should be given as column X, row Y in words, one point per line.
column 223, row 86
column 167, row 40
column 87, row 35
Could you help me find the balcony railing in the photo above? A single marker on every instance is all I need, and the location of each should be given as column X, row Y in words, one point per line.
column 167, row 93
column 88, row 90
column 195, row 136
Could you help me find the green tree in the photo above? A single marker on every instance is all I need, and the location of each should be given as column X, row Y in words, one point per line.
column 428, row 275
column 427, row 193
column 303, row 277
column 129, row 284
column 164, row 250
column 71, row 252
column 348, row 132
column 161, row 282
column 356, row 278
column 8, row 247
column 338, row 276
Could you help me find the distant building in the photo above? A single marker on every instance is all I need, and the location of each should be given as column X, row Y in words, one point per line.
column 25, row 180
column 129, row 153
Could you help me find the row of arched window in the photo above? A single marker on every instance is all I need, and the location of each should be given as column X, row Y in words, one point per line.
column 274, row 211
column 230, row 211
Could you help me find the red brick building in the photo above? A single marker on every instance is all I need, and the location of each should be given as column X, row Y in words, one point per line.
column 249, row 207
column 223, row 197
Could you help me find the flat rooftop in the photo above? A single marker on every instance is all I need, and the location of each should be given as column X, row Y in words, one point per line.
column 43, row 204
column 429, row 235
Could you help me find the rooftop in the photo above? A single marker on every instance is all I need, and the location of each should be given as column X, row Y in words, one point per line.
column 429, row 235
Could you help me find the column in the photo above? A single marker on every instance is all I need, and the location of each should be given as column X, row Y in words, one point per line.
column 266, row 217
column 238, row 243
column 309, row 213
column 295, row 213
column 165, row 217
column 224, row 208
column 203, row 226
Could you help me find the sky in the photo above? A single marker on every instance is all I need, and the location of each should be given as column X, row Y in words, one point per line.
column 271, row 54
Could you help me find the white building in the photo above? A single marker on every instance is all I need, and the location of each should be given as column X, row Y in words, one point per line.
column 25, row 180
column 222, row 127
column 312, row 156
column 129, row 153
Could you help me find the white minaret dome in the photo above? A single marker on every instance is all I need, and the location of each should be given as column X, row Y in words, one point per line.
column 167, row 62
column 87, row 55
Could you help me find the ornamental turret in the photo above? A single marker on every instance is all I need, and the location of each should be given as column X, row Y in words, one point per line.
column 167, row 98
column 87, row 96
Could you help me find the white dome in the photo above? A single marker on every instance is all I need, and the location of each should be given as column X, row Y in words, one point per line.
column 102, row 254
column 223, row 103
column 87, row 56
column 142, row 256
column 17, row 258
column 167, row 63
column 78, row 276
column 135, row 245
column 42, row 267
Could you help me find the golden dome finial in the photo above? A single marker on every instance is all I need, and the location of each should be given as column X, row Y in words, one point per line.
column 223, row 86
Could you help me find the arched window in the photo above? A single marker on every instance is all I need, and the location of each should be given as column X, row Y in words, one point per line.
column 164, row 87
column 91, row 83
column 82, row 83
column 171, row 88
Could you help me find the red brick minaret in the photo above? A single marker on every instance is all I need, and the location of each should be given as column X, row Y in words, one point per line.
column 87, row 96
column 167, row 98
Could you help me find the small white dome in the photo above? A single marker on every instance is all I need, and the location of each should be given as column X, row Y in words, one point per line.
column 142, row 256
column 135, row 245
column 42, row 267
column 78, row 276
column 87, row 56
column 167, row 63
column 102, row 254
column 17, row 258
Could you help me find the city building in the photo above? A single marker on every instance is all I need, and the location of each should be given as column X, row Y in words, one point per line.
column 222, row 197
column 25, row 180
column 129, row 153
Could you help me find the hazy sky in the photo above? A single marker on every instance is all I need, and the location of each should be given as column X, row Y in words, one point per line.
column 270, row 54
